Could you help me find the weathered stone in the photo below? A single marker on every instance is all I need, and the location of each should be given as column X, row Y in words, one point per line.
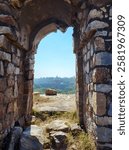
column 7, row 31
column 15, row 60
column 10, row 107
column 110, row 110
column 99, row 103
column 110, row 11
column 103, row 121
column 9, row 92
column 87, row 68
column 96, row 25
column 4, row 7
column 1, row 69
column 17, row 71
column 0, row 126
column 102, row 58
column 15, row 137
column 100, row 33
column 36, row 131
column 83, row 6
column 95, row 14
column 1, row 98
column 50, row 92
column 7, row 19
column 11, row 80
column 101, row 75
column 10, row 69
column 80, row 15
column 104, row 146
column 28, row 142
column 104, row 134
column 5, row 56
column 88, row 55
column 58, row 140
column 99, row 44
column 75, row 129
column 2, row 84
column 58, row 125
column 105, row 88
column 4, row 42
column 15, row 89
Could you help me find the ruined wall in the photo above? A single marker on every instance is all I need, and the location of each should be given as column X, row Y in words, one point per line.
column 13, row 95
column 92, row 45
column 94, row 51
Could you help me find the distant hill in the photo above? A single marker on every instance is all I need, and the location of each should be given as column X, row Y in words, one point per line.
column 62, row 85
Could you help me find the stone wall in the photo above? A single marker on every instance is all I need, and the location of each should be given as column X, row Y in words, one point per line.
column 19, row 31
column 96, row 51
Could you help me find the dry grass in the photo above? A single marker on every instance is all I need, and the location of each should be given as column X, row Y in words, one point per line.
column 80, row 141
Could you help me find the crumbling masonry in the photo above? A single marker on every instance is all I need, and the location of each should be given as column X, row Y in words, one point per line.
column 23, row 23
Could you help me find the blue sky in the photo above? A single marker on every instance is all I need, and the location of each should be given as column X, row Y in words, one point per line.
column 55, row 55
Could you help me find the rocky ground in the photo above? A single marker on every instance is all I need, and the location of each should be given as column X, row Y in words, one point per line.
column 54, row 126
column 56, row 121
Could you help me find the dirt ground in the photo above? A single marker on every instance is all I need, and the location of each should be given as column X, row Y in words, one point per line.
column 61, row 102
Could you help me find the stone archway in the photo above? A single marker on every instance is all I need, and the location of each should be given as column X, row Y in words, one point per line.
column 22, row 25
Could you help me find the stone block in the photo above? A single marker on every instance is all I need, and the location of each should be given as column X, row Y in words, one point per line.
column 3, row 84
column 104, row 88
column 94, row 13
column 103, row 121
column 110, row 109
column 15, row 89
column 101, row 75
column 9, row 92
column 7, row 31
column 4, row 42
column 99, row 103
column 5, row 56
column 10, row 81
column 96, row 25
column 10, row 69
column 10, row 108
column 1, row 69
column 2, row 111
column 7, row 19
column 1, row 98
column 100, row 33
column 17, row 71
column 15, row 60
column 104, row 134
column 1, row 126
column 102, row 59
column 99, row 44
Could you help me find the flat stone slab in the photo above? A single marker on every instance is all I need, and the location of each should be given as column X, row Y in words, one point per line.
column 58, row 125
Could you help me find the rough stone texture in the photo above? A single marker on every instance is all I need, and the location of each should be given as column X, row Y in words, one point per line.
column 105, row 88
column 101, row 75
column 58, row 125
column 28, row 142
column 21, row 30
column 50, row 92
column 15, row 137
column 102, row 58
column 59, row 140
column 99, row 103
column 103, row 121
column 104, row 134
